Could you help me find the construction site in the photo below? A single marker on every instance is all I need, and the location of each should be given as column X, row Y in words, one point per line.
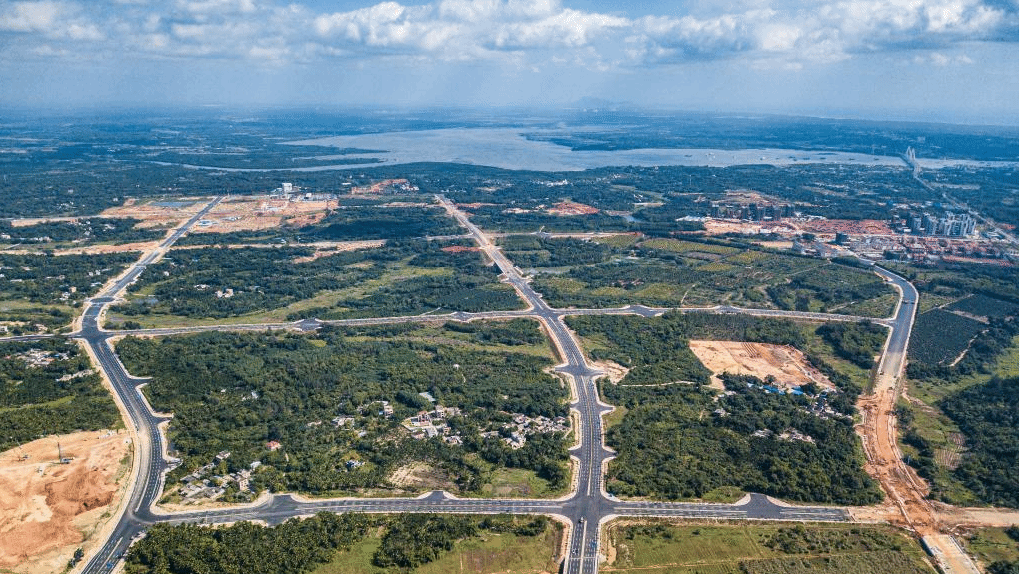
column 786, row 367
column 56, row 495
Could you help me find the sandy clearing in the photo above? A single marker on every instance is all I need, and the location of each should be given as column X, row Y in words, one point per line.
column 47, row 509
column 615, row 372
column 788, row 365
column 262, row 212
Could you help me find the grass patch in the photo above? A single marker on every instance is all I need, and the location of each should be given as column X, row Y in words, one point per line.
column 618, row 241
column 754, row 548
column 488, row 553
column 517, row 483
column 991, row 545
column 723, row 494
column 680, row 246
column 614, row 418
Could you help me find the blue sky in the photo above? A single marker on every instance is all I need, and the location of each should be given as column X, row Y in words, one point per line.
column 933, row 60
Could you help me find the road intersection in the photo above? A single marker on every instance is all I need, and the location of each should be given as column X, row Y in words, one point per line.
column 586, row 508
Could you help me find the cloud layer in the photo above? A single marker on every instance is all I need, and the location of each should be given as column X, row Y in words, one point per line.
column 525, row 33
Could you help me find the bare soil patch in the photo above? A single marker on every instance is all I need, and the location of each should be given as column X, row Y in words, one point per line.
column 417, row 476
column 262, row 212
column 48, row 508
column 787, row 365
column 154, row 214
column 615, row 372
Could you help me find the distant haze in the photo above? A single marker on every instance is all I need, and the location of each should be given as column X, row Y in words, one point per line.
column 939, row 60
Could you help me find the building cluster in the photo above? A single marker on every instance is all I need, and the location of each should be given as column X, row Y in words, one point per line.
column 948, row 225
column 429, row 424
column 931, row 250
column 789, row 435
column 203, row 486
column 41, row 358
column 523, row 426
column 751, row 211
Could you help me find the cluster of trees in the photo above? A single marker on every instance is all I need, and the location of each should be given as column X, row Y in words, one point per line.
column 236, row 392
column 858, row 343
column 185, row 283
column 44, row 278
column 532, row 251
column 298, row 546
column 415, row 539
column 801, row 540
column 670, row 445
column 663, row 274
column 987, row 416
column 85, row 230
column 59, row 397
column 293, row 547
column 830, row 286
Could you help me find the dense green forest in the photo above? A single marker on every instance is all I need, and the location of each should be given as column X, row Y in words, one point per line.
column 700, row 272
column 858, row 343
column 672, row 445
column 44, row 278
column 237, row 392
column 298, row 546
column 679, row 427
column 79, row 232
column 294, row 547
column 406, row 277
column 49, row 387
column 987, row 414
column 533, row 251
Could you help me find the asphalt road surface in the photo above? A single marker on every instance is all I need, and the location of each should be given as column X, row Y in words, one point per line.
column 586, row 508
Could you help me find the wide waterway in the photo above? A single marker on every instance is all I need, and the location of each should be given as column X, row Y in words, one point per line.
column 508, row 148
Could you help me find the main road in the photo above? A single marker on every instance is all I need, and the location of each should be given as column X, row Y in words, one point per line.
column 586, row 508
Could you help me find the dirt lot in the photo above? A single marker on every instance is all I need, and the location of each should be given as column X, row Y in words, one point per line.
column 571, row 208
column 155, row 213
column 47, row 508
column 850, row 226
column 788, row 365
column 722, row 226
column 254, row 213
column 615, row 372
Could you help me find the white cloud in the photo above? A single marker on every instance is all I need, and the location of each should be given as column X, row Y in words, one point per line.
column 529, row 33
column 52, row 20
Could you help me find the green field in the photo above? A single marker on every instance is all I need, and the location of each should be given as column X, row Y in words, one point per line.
column 672, row 272
column 660, row 548
column 485, row 554
column 990, row 545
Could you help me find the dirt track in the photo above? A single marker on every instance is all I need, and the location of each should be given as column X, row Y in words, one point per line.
column 47, row 508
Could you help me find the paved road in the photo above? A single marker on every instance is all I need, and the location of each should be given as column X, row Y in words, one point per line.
column 148, row 448
column 586, row 507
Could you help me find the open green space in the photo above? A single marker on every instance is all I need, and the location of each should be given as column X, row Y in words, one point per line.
column 355, row 544
column 49, row 387
column 257, row 284
column 672, row 272
column 330, row 413
column 662, row 548
column 679, row 439
column 995, row 548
